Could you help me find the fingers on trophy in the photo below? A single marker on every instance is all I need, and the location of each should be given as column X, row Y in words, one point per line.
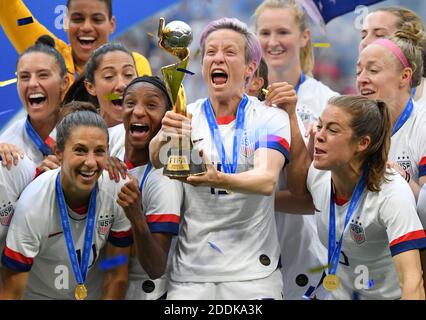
column 175, row 37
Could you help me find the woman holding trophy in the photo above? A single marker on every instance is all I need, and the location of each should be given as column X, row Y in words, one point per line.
column 227, row 246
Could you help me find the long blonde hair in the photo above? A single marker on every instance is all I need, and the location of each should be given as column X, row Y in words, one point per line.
column 306, row 53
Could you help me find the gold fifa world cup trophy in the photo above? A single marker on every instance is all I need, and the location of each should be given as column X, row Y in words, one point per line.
column 175, row 37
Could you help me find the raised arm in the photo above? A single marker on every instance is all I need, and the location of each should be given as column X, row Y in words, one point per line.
column 284, row 96
column 23, row 36
column 151, row 248
column 173, row 127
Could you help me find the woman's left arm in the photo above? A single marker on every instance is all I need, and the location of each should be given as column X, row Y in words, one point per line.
column 261, row 179
column 409, row 271
column 115, row 281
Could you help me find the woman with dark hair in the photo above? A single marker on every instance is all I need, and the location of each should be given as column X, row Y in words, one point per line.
column 284, row 33
column 151, row 201
column 89, row 23
column 366, row 213
column 42, row 82
column 65, row 217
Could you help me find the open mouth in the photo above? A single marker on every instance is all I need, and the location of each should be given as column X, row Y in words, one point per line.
column 367, row 92
column 86, row 41
column 117, row 102
column 36, row 98
column 219, row 77
column 138, row 128
column 87, row 175
column 319, row 151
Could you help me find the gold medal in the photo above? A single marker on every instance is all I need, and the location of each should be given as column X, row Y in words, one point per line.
column 331, row 282
column 80, row 292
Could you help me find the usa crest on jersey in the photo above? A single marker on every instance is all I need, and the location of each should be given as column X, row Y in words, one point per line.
column 357, row 233
column 104, row 223
column 6, row 213
column 247, row 145
column 405, row 163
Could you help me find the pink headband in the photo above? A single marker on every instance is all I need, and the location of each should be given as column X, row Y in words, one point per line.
column 394, row 49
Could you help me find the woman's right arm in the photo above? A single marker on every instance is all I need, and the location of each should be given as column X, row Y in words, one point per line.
column 173, row 126
column 14, row 284
column 23, row 36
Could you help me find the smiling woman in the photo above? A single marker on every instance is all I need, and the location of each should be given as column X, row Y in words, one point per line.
column 42, row 81
column 228, row 230
column 89, row 25
column 76, row 218
column 153, row 204
column 366, row 212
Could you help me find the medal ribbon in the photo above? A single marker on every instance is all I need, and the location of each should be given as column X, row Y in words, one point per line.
column 214, row 130
column 80, row 271
column 42, row 146
column 406, row 113
column 302, row 79
column 333, row 248
column 145, row 175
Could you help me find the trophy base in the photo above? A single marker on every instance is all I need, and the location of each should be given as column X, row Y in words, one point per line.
column 178, row 166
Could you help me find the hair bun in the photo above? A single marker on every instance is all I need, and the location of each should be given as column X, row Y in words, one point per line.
column 76, row 106
column 411, row 33
column 46, row 40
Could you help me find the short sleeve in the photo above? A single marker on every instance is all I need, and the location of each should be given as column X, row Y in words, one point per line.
column 273, row 132
column 162, row 199
column 399, row 216
column 121, row 230
column 24, row 237
column 18, row 177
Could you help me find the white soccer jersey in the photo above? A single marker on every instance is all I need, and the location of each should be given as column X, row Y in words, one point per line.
column 12, row 183
column 408, row 145
column 36, row 241
column 230, row 237
column 117, row 135
column 17, row 135
column 161, row 202
column 312, row 97
column 421, row 102
column 301, row 250
column 384, row 224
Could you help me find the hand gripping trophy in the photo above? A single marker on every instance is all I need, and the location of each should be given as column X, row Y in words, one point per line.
column 175, row 38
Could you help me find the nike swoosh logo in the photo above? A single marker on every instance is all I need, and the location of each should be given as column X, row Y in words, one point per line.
column 55, row 234
column 198, row 140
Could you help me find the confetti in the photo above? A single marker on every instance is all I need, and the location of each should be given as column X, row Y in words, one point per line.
column 7, row 82
column 112, row 262
column 319, row 269
column 5, row 112
column 322, row 45
column 113, row 96
column 25, row 21
column 185, row 71
column 196, row 53
column 214, row 247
